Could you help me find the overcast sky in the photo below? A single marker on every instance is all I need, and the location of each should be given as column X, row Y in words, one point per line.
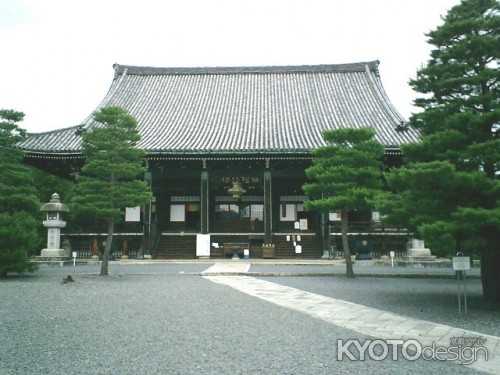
column 57, row 55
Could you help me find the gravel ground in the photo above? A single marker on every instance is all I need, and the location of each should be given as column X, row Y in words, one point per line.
column 427, row 299
column 120, row 269
column 364, row 269
column 166, row 324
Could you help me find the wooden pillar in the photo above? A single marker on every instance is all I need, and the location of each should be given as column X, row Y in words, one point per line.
column 147, row 240
column 204, row 200
column 268, row 204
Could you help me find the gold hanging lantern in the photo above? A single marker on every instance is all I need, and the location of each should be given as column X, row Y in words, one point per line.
column 236, row 190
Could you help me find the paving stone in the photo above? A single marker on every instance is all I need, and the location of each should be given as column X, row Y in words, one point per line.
column 363, row 320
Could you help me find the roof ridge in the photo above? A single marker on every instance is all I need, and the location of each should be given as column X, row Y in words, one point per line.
column 53, row 131
column 320, row 68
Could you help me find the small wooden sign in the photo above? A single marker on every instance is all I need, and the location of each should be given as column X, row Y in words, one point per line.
column 461, row 263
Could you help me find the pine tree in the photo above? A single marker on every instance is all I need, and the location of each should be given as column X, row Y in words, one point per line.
column 450, row 190
column 111, row 178
column 18, row 199
column 346, row 175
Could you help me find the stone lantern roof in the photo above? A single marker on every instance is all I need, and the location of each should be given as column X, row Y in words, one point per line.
column 54, row 205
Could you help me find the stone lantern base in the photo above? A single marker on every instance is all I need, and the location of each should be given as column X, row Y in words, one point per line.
column 418, row 252
column 55, row 253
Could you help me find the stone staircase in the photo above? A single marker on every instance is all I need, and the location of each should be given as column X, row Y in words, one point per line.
column 176, row 247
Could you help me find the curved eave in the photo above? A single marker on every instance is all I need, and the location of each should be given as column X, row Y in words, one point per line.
column 198, row 155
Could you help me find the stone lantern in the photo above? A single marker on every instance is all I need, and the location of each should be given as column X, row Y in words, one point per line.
column 54, row 222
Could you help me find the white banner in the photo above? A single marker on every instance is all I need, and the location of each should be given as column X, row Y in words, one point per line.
column 202, row 245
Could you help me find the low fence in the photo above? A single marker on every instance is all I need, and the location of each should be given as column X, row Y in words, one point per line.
column 86, row 253
column 371, row 254
column 88, row 246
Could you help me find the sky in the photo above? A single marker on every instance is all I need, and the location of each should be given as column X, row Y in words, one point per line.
column 56, row 55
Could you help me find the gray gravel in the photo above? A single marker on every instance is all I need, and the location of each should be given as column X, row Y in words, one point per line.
column 121, row 269
column 428, row 299
column 166, row 324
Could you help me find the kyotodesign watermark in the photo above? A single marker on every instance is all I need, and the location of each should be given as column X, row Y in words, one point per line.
column 464, row 350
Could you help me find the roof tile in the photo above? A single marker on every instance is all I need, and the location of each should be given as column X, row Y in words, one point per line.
column 242, row 109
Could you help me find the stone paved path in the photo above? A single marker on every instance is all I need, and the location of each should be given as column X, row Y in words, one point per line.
column 228, row 267
column 362, row 319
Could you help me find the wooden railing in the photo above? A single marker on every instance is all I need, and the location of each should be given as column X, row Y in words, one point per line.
column 367, row 227
column 86, row 253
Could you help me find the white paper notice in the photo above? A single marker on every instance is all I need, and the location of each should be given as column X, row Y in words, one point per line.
column 298, row 249
column 133, row 214
column 177, row 212
column 202, row 245
column 303, row 224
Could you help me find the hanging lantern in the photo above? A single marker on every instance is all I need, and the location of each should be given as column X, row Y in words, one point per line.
column 236, row 190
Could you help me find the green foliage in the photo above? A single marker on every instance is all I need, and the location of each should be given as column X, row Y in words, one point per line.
column 19, row 237
column 18, row 199
column 47, row 184
column 449, row 192
column 346, row 174
column 111, row 178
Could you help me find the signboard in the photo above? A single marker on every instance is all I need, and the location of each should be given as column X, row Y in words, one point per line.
column 133, row 214
column 250, row 183
column 202, row 245
column 296, row 225
column 177, row 213
column 298, row 249
column 334, row 216
column 461, row 263
column 74, row 260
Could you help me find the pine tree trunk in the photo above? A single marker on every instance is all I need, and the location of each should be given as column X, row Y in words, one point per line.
column 107, row 249
column 490, row 276
column 345, row 243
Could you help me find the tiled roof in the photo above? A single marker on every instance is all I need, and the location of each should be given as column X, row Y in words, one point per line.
column 242, row 109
